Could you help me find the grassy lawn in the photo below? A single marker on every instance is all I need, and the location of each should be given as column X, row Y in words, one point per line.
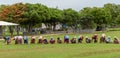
column 62, row 50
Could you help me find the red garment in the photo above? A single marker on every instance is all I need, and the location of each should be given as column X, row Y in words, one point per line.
column 32, row 41
column 52, row 41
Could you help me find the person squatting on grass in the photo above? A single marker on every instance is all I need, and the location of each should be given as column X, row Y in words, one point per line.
column 108, row 40
column 88, row 40
column 95, row 38
column 116, row 40
column 25, row 40
column 45, row 41
column 8, row 40
column 102, row 38
column 73, row 40
column 59, row 41
column 33, row 40
column 20, row 38
column 52, row 41
column 40, row 40
column 66, row 39
column 80, row 39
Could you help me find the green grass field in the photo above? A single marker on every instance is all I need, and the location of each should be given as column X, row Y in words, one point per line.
column 83, row 50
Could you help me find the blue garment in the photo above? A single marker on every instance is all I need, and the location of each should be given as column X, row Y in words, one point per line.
column 108, row 39
column 66, row 37
column 25, row 38
column 7, row 38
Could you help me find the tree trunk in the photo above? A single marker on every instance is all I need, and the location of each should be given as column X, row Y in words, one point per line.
column 11, row 30
column 30, row 29
column 1, row 32
column 17, row 30
column 54, row 26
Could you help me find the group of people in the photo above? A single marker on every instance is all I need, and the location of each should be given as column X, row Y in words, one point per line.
column 18, row 40
column 41, row 40
column 103, row 39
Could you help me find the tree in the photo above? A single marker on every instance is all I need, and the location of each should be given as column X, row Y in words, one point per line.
column 98, row 17
column 12, row 13
column 70, row 17
column 55, row 17
column 86, row 19
column 118, row 20
column 102, row 17
column 31, row 17
column 114, row 12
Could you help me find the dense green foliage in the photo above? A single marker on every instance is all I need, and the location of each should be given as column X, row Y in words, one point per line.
column 33, row 15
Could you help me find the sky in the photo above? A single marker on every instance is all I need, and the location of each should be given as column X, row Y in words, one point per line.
column 64, row 4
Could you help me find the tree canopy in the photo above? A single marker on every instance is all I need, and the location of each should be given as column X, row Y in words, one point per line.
column 33, row 15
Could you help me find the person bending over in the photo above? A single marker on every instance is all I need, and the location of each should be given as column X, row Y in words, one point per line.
column 80, row 39
column 8, row 40
column 102, row 38
column 25, row 40
column 40, row 40
column 108, row 40
column 52, row 41
column 20, row 38
column 116, row 40
column 73, row 40
column 59, row 40
column 88, row 40
column 66, row 39
column 95, row 38
column 33, row 40
column 45, row 41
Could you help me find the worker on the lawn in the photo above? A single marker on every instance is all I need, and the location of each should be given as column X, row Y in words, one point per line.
column 40, row 40
column 88, row 40
column 66, row 39
column 73, row 40
column 102, row 38
column 52, row 41
column 20, row 38
column 45, row 41
column 80, row 39
column 8, row 40
column 33, row 40
column 116, row 40
column 95, row 38
column 59, row 40
column 25, row 40
column 108, row 40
